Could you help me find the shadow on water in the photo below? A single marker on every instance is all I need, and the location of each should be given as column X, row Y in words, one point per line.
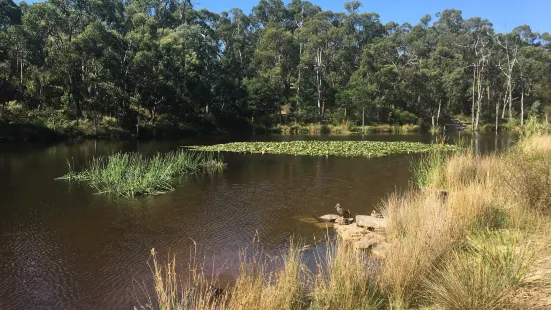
column 62, row 246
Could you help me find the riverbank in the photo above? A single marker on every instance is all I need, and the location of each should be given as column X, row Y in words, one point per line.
column 48, row 128
column 106, row 130
column 343, row 128
column 474, row 248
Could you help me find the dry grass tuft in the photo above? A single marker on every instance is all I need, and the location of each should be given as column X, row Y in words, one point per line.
column 346, row 280
column 483, row 276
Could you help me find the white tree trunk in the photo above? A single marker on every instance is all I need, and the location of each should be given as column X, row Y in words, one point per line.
column 363, row 119
column 318, row 78
column 472, row 108
column 438, row 115
column 521, row 100
column 497, row 114
column 510, row 100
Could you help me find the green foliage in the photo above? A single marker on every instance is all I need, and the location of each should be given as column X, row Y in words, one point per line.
column 321, row 148
column 533, row 127
column 175, row 65
column 492, row 218
column 131, row 174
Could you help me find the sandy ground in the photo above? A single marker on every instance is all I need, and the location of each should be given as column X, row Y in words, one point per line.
column 536, row 292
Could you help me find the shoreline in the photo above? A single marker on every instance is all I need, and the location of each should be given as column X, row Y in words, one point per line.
column 25, row 132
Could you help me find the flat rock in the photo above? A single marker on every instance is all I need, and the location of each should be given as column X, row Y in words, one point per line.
column 344, row 221
column 329, row 217
column 350, row 232
column 379, row 251
column 368, row 241
column 371, row 222
column 376, row 214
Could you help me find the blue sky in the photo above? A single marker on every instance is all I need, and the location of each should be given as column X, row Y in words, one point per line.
column 504, row 14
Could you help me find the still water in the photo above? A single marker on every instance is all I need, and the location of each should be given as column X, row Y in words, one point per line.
column 64, row 247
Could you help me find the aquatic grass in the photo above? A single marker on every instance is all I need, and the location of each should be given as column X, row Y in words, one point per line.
column 428, row 167
column 132, row 174
column 327, row 148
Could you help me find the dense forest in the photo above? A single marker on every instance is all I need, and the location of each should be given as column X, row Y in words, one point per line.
column 165, row 64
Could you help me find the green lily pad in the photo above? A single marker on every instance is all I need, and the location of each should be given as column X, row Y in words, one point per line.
column 327, row 148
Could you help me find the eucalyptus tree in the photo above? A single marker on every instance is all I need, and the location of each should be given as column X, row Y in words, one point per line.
column 316, row 35
column 481, row 45
column 276, row 57
column 509, row 45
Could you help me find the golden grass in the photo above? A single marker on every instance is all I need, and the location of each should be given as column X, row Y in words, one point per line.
column 536, row 144
column 346, row 280
column 484, row 276
column 469, row 248
column 258, row 288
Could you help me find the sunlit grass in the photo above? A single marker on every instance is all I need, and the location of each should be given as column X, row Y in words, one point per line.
column 132, row 174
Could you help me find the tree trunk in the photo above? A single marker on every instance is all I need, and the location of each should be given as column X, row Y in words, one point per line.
column 299, row 70
column 477, row 106
column 521, row 100
column 510, row 100
column 438, row 115
column 472, row 108
column 504, row 107
column 497, row 114
column 363, row 119
column 138, row 128
column 480, row 95
column 318, row 79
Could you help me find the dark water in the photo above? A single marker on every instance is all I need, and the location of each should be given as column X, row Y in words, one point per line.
column 63, row 247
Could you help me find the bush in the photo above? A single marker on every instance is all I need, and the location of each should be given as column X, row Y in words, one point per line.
column 401, row 117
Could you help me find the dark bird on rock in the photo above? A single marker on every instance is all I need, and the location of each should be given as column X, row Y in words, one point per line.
column 342, row 212
column 215, row 292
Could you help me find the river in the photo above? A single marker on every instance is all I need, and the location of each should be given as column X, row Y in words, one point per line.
column 64, row 247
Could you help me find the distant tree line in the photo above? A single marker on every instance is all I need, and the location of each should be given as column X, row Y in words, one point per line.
column 172, row 65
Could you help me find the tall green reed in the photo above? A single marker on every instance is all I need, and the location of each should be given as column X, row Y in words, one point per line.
column 132, row 174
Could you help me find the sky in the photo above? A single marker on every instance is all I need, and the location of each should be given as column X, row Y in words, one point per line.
column 504, row 14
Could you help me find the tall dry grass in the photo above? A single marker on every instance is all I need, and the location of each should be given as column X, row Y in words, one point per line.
column 463, row 242
column 482, row 276
column 346, row 280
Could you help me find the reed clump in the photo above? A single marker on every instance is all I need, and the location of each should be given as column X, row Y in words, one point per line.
column 133, row 174
column 465, row 237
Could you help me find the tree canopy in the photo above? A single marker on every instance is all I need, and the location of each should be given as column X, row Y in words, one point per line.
column 168, row 63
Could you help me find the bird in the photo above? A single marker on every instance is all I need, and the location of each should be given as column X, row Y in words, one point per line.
column 215, row 292
column 342, row 212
